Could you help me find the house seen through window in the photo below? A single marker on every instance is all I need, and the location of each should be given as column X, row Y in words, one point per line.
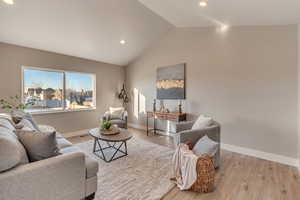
column 54, row 90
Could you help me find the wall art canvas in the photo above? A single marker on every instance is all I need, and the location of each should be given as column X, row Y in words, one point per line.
column 170, row 83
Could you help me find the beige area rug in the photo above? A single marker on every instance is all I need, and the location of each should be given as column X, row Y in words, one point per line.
column 142, row 175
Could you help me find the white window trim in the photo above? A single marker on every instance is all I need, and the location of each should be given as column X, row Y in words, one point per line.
column 63, row 110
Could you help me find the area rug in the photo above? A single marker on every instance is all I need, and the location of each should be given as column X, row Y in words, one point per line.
column 142, row 175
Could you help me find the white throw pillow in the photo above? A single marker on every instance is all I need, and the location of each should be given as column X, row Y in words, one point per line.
column 205, row 145
column 116, row 113
column 202, row 122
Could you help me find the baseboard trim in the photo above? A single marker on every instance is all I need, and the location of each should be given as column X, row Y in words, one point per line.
column 262, row 155
column 137, row 126
column 247, row 151
column 76, row 133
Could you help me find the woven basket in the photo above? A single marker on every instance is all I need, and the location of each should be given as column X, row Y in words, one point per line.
column 205, row 175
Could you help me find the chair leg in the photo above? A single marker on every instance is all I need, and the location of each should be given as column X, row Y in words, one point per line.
column 90, row 197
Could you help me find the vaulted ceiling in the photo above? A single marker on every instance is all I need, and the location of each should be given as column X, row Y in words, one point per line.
column 89, row 29
column 188, row 13
column 93, row 29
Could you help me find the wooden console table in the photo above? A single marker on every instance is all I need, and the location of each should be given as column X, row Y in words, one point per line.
column 171, row 116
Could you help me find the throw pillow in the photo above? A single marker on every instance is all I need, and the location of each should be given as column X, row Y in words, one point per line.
column 9, row 155
column 116, row 113
column 17, row 116
column 205, row 145
column 32, row 121
column 25, row 123
column 39, row 146
column 6, row 123
column 202, row 122
column 25, row 120
column 12, row 151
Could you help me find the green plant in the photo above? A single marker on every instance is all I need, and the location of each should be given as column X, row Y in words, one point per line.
column 15, row 103
column 106, row 125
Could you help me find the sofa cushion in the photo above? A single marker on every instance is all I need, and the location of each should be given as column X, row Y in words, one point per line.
column 39, row 146
column 120, row 123
column 62, row 142
column 116, row 113
column 71, row 149
column 12, row 151
column 91, row 165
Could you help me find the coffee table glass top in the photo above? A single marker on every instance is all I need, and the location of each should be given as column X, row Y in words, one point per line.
column 124, row 135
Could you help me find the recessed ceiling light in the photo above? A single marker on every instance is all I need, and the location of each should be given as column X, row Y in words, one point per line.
column 122, row 42
column 10, row 2
column 203, row 3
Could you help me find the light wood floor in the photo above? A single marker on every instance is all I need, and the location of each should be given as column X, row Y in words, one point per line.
column 239, row 177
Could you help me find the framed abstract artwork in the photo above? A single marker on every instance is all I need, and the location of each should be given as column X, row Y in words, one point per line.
column 170, row 82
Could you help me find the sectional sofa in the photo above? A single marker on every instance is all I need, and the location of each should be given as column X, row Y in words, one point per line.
column 72, row 175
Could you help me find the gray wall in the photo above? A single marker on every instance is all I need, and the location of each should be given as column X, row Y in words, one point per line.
column 109, row 81
column 245, row 78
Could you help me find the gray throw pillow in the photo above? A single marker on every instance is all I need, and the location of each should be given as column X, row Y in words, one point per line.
column 39, row 145
column 25, row 123
column 9, row 154
column 31, row 120
column 26, row 120
column 6, row 123
column 205, row 145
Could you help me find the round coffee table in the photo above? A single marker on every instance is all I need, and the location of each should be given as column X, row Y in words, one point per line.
column 110, row 142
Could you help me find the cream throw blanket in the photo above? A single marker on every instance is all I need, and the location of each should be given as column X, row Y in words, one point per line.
column 184, row 167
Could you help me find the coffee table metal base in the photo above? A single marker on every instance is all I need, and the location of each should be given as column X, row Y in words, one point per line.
column 98, row 150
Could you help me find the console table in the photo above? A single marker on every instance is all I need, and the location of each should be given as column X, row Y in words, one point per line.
column 171, row 116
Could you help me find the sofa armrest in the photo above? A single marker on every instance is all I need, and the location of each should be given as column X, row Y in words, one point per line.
column 60, row 178
column 106, row 116
column 125, row 115
column 213, row 132
column 125, row 118
column 183, row 126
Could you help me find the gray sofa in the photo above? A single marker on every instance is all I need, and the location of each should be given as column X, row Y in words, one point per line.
column 72, row 175
column 121, row 122
column 186, row 134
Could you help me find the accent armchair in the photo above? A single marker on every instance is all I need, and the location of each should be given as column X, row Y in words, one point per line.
column 185, row 134
column 120, row 121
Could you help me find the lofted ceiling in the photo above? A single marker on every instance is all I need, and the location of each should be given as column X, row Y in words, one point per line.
column 89, row 29
column 188, row 13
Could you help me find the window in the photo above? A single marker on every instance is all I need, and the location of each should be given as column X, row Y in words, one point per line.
column 54, row 90
column 79, row 90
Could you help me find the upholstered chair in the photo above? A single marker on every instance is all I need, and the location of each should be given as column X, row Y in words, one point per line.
column 121, row 121
column 186, row 134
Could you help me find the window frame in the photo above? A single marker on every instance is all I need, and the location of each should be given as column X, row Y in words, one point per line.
column 63, row 109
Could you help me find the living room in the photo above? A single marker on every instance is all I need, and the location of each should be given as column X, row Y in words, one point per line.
column 104, row 99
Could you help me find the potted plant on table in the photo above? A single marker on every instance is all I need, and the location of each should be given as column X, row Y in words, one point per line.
column 106, row 125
